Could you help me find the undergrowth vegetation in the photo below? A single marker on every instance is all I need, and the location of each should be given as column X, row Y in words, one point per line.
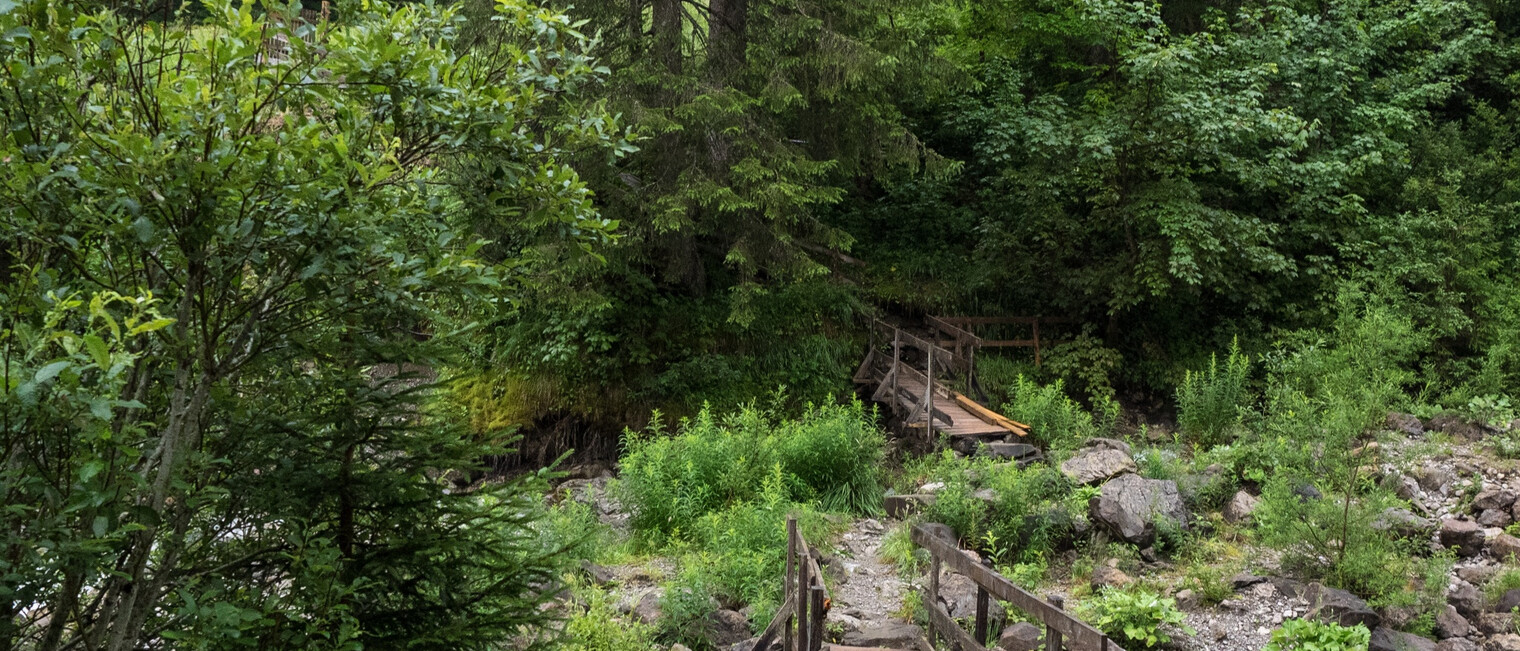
column 716, row 494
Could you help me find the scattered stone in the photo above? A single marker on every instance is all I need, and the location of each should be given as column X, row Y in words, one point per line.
column 1399, row 617
column 932, row 487
column 841, row 621
column 1288, row 587
column 1465, row 535
column 1094, row 465
column 1450, row 623
column 1435, row 479
column 1387, row 639
column 1495, row 518
column 1457, row 644
column 1131, row 505
column 1339, row 606
column 901, row 506
column 1406, row 424
column 1108, row 444
column 1016, row 451
column 1104, row 576
column 1505, row 642
column 1245, row 580
column 1307, row 493
column 958, row 593
column 1406, row 488
column 727, row 627
column 1493, row 498
column 600, row 576
column 1503, row 546
column 1240, row 507
column 1466, row 598
column 1402, row 523
column 1021, row 636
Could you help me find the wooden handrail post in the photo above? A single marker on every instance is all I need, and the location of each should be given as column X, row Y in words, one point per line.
column 933, row 589
column 803, row 607
column 1037, row 342
column 981, row 615
column 815, row 636
column 896, row 353
column 1052, row 636
column 929, row 399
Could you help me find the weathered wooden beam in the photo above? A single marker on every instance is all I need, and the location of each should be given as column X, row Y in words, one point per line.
column 989, row 416
column 1076, row 634
column 945, row 626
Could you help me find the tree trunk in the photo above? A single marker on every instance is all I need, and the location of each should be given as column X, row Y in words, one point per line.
column 727, row 38
column 667, row 34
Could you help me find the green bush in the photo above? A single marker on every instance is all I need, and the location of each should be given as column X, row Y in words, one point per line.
column 1310, row 635
column 1018, row 513
column 1212, row 403
column 599, row 628
column 1134, row 617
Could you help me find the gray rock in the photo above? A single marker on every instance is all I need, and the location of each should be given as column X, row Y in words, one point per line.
column 1496, row 623
column 1406, row 487
column 958, row 593
column 1495, row 518
column 749, row 645
column 1245, row 580
column 1494, row 498
column 1186, row 600
column 647, row 608
column 679, row 647
column 726, row 628
column 1450, row 623
column 1464, row 535
column 600, row 576
column 1478, row 574
column 1508, row 601
column 1108, row 444
column 890, row 635
column 1406, row 424
column 1332, row 605
column 1307, row 493
column 1021, row 636
column 1387, row 639
column 1466, row 598
column 1241, row 506
column 1131, row 506
column 1094, row 465
column 1402, row 523
column 1457, row 644
column 1503, row 546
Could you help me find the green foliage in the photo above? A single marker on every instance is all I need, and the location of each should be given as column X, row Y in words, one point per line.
column 1013, row 515
column 1313, row 635
column 600, row 628
column 1212, row 403
column 1134, row 616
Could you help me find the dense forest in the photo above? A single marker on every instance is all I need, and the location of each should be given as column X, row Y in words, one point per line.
column 310, row 312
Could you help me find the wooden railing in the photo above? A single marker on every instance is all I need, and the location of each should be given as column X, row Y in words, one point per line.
column 1062, row 631
column 962, row 330
column 306, row 24
column 799, row 620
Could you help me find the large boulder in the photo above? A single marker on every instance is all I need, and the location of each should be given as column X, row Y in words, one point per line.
column 958, row 592
column 1457, row 644
column 1387, row 639
column 1331, row 605
column 1463, row 535
column 1467, row 599
column 1503, row 546
column 1505, row 642
column 1131, row 506
column 1094, row 465
column 1104, row 576
column 1107, row 444
column 1457, row 426
column 1508, row 601
column 1023, row 453
column 1241, row 506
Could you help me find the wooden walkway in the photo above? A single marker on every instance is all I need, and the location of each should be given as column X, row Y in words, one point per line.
column 914, row 393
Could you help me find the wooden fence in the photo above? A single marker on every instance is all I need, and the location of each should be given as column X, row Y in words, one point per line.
column 306, row 25
column 1062, row 631
column 799, row 621
column 962, row 330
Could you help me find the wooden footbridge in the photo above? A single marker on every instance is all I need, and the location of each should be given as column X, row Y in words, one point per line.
column 921, row 378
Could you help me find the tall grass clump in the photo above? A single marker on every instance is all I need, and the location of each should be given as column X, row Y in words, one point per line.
column 1051, row 414
column 1213, row 403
